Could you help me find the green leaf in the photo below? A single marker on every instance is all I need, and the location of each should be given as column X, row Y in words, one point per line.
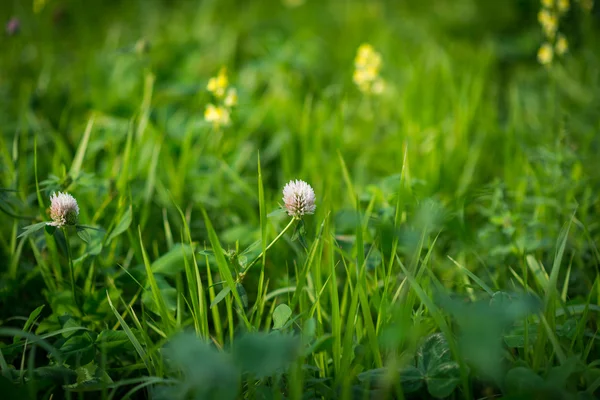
column 281, row 314
column 324, row 343
column 122, row 226
column 443, row 379
column 208, row 373
column 28, row 230
column 32, row 317
column 109, row 340
column 220, row 296
column 435, row 362
column 411, row 378
column 167, row 292
column 172, row 262
column 522, row 380
column 83, row 234
column 275, row 352
column 50, row 229
column 277, row 213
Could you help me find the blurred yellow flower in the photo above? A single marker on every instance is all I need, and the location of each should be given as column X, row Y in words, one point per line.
column 561, row 45
column 545, row 54
column 548, row 21
column 232, row 98
column 366, row 73
column 218, row 115
column 562, row 5
column 547, row 3
column 38, row 5
column 218, row 84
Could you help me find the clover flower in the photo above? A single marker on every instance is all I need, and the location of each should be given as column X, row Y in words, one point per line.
column 218, row 115
column 299, row 198
column 545, row 54
column 63, row 210
column 13, row 26
column 367, row 64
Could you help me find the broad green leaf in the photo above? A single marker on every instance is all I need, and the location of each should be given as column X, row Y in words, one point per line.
column 522, row 380
column 208, row 373
column 83, row 234
column 411, row 378
column 275, row 352
column 28, row 230
column 172, row 262
column 281, row 314
column 122, row 226
column 443, row 379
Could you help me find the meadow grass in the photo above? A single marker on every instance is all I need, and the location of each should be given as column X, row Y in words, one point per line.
column 453, row 252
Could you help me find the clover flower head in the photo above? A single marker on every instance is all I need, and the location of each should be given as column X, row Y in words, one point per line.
column 545, row 54
column 63, row 210
column 13, row 26
column 218, row 84
column 299, row 198
column 217, row 115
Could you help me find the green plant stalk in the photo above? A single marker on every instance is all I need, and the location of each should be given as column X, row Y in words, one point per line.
column 71, row 267
column 243, row 274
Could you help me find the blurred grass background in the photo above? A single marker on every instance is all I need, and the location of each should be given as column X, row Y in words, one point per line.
column 474, row 151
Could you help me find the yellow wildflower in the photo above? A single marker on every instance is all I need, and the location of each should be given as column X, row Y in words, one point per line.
column 547, row 3
column 232, row 98
column 38, row 5
column 378, row 86
column 218, row 84
column 561, row 45
column 217, row 115
column 366, row 73
column 562, row 5
column 545, row 54
column 548, row 21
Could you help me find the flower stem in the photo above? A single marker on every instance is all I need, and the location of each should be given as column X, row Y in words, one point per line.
column 267, row 248
column 71, row 268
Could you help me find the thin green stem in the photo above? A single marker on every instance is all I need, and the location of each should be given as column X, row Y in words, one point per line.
column 267, row 248
column 71, row 268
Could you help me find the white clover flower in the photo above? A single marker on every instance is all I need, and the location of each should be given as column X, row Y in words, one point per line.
column 63, row 210
column 299, row 198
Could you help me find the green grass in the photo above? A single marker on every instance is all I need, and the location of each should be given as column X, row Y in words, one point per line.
column 454, row 248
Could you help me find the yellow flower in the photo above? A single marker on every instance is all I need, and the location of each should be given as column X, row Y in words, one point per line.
column 38, row 5
column 218, row 84
column 545, row 54
column 378, row 86
column 217, row 115
column 561, row 45
column 366, row 73
column 562, row 5
column 232, row 98
column 547, row 3
column 548, row 21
